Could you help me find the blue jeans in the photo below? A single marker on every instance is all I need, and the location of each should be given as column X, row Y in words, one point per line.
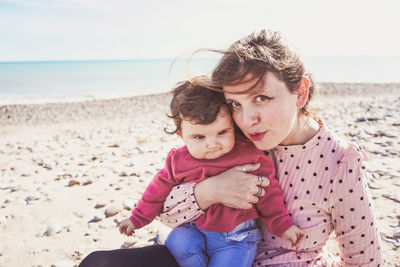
column 194, row 247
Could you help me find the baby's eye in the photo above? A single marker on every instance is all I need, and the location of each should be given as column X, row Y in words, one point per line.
column 262, row 98
column 222, row 132
column 198, row 137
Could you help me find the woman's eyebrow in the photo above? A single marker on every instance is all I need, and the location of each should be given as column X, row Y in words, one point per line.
column 258, row 89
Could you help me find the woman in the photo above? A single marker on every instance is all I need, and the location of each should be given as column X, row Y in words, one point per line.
column 268, row 89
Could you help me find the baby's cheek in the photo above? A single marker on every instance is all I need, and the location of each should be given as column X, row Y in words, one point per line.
column 238, row 119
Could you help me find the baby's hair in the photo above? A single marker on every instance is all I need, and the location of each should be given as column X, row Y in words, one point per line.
column 195, row 103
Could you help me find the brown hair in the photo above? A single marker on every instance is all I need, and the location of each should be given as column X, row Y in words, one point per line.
column 195, row 103
column 261, row 52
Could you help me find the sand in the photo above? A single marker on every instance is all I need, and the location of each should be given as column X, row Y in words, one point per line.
column 70, row 172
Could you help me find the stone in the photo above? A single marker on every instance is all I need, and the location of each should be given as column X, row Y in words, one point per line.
column 64, row 263
column 73, row 182
column 31, row 198
column 52, row 230
column 100, row 205
column 87, row 182
column 128, row 204
column 97, row 218
column 111, row 211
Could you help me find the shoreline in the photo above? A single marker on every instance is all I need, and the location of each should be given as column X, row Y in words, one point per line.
column 88, row 107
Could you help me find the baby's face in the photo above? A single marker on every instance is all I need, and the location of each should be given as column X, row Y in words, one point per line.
column 209, row 141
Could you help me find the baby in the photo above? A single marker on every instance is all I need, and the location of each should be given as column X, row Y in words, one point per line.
column 222, row 236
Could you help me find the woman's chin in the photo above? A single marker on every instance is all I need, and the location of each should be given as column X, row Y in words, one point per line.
column 264, row 145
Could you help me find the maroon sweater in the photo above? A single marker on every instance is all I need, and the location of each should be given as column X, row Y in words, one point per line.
column 181, row 167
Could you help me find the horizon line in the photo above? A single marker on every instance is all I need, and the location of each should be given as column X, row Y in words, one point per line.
column 166, row 58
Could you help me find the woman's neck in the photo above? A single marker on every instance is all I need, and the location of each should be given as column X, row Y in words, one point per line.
column 305, row 129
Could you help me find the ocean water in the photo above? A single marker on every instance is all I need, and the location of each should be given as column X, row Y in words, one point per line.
column 61, row 81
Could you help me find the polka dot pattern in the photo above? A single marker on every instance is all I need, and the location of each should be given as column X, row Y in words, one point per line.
column 325, row 192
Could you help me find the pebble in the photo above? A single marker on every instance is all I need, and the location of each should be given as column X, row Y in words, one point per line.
column 391, row 197
column 64, row 263
column 128, row 204
column 73, row 182
column 31, row 198
column 129, row 244
column 79, row 214
column 87, row 182
column 375, row 176
column 97, row 218
column 66, row 176
column 111, row 211
column 373, row 186
column 52, row 230
column 389, row 240
column 22, row 169
column 100, row 205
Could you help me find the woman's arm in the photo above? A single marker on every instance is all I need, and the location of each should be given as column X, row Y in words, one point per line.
column 233, row 188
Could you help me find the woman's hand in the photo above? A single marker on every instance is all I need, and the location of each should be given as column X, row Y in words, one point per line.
column 233, row 188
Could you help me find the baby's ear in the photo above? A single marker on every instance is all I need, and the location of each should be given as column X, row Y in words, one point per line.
column 179, row 133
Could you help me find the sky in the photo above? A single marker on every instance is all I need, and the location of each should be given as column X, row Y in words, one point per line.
column 33, row 30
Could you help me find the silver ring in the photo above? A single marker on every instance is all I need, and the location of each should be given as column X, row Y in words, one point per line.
column 258, row 194
column 244, row 169
column 262, row 179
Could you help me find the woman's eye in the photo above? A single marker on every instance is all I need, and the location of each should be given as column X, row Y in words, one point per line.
column 262, row 98
column 222, row 132
column 234, row 104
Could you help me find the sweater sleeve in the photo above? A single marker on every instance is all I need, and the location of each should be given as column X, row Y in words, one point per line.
column 353, row 214
column 271, row 208
column 180, row 206
column 152, row 201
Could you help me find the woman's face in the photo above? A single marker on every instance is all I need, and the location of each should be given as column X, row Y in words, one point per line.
column 267, row 114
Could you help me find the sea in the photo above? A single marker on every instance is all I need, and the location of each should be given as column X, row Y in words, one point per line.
column 81, row 80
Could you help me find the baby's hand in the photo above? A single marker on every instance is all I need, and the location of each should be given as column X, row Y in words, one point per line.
column 126, row 227
column 295, row 235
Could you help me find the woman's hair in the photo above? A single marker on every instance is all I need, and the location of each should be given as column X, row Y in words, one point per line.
column 195, row 103
column 261, row 52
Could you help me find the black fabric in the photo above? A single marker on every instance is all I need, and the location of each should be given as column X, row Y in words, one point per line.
column 151, row 256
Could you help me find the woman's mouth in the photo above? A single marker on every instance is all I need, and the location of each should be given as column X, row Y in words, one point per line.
column 256, row 136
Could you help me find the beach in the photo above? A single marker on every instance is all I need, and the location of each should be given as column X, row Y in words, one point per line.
column 70, row 172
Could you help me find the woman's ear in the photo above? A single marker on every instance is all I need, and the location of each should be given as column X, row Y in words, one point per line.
column 302, row 92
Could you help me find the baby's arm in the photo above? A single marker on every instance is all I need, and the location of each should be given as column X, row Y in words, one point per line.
column 233, row 188
column 272, row 209
column 295, row 235
column 126, row 227
column 152, row 201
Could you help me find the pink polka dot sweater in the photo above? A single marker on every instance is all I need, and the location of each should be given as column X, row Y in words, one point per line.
column 325, row 192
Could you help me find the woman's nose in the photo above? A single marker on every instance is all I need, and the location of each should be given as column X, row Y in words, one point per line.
column 251, row 116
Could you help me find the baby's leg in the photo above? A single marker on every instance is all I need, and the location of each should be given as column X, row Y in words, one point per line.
column 237, row 248
column 240, row 254
column 188, row 246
